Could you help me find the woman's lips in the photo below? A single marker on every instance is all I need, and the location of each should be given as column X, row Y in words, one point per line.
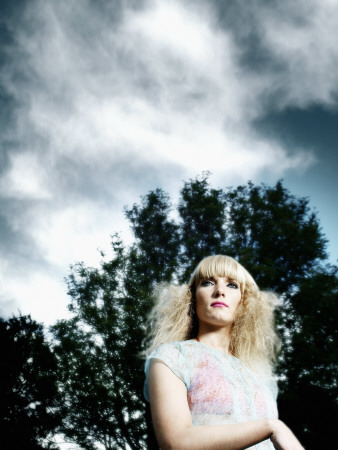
column 219, row 305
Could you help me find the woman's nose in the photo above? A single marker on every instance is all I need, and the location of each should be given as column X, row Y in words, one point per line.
column 220, row 291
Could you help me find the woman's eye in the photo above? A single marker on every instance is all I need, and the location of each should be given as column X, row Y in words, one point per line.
column 207, row 283
column 233, row 285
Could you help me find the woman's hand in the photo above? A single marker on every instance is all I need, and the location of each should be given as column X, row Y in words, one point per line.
column 283, row 438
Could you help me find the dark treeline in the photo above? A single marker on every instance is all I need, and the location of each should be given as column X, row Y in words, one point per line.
column 29, row 398
column 87, row 382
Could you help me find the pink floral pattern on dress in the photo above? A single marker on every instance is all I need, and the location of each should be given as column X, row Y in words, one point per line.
column 209, row 392
column 220, row 388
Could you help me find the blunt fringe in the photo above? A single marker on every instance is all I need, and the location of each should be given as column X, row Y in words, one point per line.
column 253, row 337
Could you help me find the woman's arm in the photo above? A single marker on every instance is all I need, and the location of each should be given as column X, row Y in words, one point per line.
column 174, row 429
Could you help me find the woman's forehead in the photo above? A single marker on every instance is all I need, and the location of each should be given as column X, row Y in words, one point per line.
column 224, row 268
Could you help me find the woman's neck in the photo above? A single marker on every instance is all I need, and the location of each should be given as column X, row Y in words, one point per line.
column 218, row 339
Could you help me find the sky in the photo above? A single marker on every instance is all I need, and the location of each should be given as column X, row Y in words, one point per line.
column 102, row 101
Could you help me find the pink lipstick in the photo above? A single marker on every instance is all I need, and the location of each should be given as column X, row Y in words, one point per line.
column 219, row 305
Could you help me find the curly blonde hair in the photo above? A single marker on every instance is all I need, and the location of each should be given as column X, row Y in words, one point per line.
column 253, row 338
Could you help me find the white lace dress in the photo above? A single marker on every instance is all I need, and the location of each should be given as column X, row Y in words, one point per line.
column 220, row 388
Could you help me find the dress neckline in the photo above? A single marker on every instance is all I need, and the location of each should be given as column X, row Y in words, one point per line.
column 198, row 342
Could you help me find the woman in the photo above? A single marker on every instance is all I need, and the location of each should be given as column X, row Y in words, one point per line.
column 209, row 375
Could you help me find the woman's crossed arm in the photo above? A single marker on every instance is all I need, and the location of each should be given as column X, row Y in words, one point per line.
column 174, row 429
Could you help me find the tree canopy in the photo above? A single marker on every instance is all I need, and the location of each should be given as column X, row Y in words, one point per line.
column 274, row 234
column 29, row 397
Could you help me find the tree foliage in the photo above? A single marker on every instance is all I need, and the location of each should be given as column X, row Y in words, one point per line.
column 157, row 239
column 105, row 338
column 95, row 375
column 202, row 212
column 29, row 398
column 309, row 389
column 273, row 233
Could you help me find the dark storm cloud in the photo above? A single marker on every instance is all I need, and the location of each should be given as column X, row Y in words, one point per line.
column 103, row 101
column 293, row 44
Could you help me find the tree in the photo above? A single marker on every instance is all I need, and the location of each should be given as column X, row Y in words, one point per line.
column 157, row 239
column 101, row 373
column 273, row 233
column 309, row 388
column 29, row 398
column 98, row 400
column 202, row 211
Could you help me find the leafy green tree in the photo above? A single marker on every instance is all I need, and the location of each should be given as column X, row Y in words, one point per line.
column 155, row 252
column 29, row 398
column 273, row 233
column 101, row 373
column 309, row 388
column 202, row 211
column 98, row 403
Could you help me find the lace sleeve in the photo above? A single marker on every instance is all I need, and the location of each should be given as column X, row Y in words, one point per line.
column 172, row 355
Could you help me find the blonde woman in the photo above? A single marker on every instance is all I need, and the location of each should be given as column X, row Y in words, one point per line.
column 209, row 373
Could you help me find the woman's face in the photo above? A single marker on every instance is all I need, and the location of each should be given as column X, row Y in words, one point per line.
column 217, row 299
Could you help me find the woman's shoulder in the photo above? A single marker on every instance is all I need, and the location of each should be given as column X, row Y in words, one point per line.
column 173, row 347
column 175, row 356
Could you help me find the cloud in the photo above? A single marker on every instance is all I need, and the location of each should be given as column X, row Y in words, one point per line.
column 109, row 100
column 288, row 50
column 41, row 295
column 309, row 54
column 141, row 88
column 24, row 178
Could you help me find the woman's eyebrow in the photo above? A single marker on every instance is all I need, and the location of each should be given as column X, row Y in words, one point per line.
column 212, row 278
